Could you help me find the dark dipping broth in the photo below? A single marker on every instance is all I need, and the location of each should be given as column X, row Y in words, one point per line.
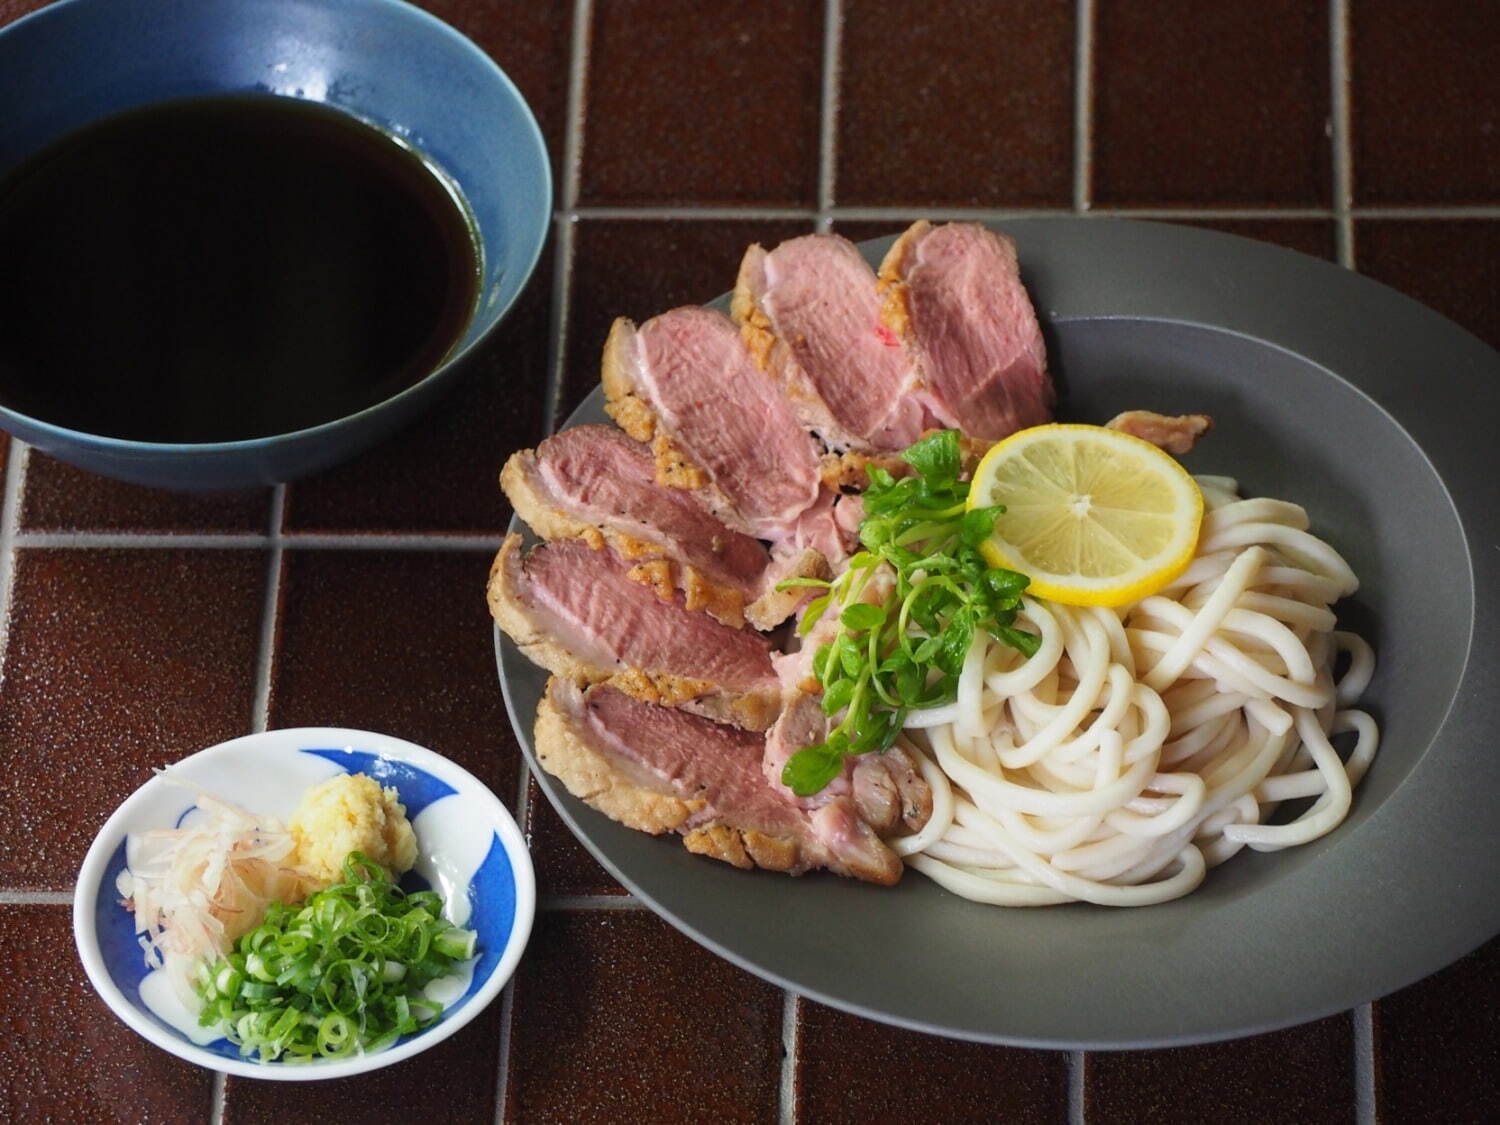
column 223, row 268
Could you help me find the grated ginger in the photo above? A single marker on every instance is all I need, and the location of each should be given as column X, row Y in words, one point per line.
column 350, row 813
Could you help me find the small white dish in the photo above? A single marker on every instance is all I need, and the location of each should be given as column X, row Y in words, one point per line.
column 469, row 850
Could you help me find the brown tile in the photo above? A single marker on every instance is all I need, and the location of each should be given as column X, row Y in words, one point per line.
column 117, row 661
column 703, row 103
column 398, row 643
column 454, row 1081
column 1425, row 101
column 638, row 269
column 15, row 9
column 440, row 474
column 855, row 1070
column 1303, row 1074
column 530, row 42
column 1452, row 266
column 60, row 497
column 1310, row 236
column 1437, row 1045
column 956, row 102
column 618, row 1017
column 1211, row 103
column 64, row 1056
column 563, row 865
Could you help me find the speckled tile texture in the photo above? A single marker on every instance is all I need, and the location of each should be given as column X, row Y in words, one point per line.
column 1426, row 101
column 852, row 1070
column 958, row 103
column 1310, row 236
column 563, row 865
column 618, row 1017
column 1224, row 103
column 639, row 268
column 528, row 40
column 1454, row 266
column 116, row 662
column 64, row 1057
column 397, row 643
column 1304, row 1074
column 703, row 103
column 454, row 1081
column 60, row 497
column 15, row 9
column 1442, row 1037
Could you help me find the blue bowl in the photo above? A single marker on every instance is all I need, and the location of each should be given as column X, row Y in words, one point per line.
column 380, row 60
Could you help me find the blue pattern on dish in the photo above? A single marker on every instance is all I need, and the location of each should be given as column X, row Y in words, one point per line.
column 491, row 892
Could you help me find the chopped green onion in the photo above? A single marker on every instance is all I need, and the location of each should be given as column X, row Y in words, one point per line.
column 342, row 973
column 905, row 653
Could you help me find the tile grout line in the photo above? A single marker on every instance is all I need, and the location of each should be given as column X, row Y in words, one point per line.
column 1366, row 1104
column 10, row 517
column 589, row 902
column 1343, row 173
column 828, row 111
column 1455, row 212
column 906, row 211
column 260, row 713
column 23, row 897
column 502, row 1060
column 565, row 226
column 350, row 541
column 1083, row 106
column 1077, row 1060
column 788, row 1087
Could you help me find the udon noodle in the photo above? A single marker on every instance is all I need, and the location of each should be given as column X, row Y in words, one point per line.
column 1141, row 746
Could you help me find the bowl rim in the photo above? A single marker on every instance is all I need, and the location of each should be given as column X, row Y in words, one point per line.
column 110, row 836
column 530, row 138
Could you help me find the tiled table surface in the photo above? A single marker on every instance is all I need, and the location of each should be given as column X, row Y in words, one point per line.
column 142, row 626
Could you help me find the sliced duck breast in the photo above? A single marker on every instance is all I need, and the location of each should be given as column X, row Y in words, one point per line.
column 595, row 483
column 577, row 612
column 658, row 770
column 809, row 311
column 954, row 294
column 684, row 382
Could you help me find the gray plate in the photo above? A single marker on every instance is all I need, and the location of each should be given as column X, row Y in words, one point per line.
column 1328, row 389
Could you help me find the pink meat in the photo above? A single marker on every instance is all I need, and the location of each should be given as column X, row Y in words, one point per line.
column 819, row 294
column 976, row 332
column 727, row 417
column 584, row 600
column 691, row 758
column 601, row 477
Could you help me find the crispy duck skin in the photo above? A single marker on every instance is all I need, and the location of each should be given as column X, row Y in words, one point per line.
column 575, row 611
column 657, row 770
column 595, row 483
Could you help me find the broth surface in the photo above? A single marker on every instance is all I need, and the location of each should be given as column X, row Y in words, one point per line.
column 223, row 268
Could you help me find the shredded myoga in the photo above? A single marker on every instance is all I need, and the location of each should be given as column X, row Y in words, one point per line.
column 1142, row 745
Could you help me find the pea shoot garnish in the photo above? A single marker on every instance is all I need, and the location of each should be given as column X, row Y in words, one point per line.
column 903, row 652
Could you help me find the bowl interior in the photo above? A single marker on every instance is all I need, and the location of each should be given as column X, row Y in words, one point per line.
column 469, row 851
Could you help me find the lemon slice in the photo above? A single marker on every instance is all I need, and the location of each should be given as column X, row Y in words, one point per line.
column 1092, row 515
